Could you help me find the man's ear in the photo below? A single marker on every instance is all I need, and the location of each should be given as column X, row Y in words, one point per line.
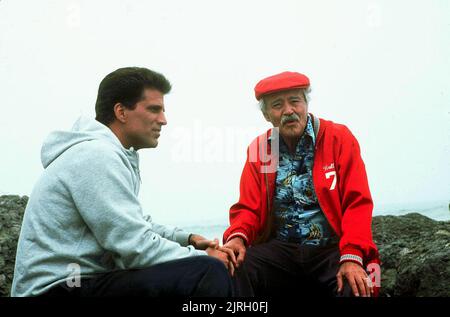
column 119, row 112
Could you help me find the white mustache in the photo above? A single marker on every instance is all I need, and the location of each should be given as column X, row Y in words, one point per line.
column 292, row 117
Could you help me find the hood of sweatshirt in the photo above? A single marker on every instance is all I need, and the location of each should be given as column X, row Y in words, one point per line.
column 85, row 129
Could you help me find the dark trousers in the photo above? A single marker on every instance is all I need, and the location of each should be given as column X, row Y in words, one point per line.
column 278, row 268
column 193, row 276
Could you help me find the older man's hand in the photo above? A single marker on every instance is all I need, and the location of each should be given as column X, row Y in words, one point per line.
column 230, row 262
column 357, row 277
column 212, row 247
column 238, row 247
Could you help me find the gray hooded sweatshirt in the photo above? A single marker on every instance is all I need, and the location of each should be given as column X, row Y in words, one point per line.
column 84, row 214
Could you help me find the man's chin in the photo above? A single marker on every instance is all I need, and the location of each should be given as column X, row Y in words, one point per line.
column 151, row 144
column 154, row 144
column 291, row 131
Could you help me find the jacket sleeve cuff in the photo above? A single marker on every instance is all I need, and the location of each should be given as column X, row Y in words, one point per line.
column 351, row 258
column 240, row 235
column 351, row 254
column 182, row 237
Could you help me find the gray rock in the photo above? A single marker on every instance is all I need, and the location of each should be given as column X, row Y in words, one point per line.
column 12, row 208
column 415, row 255
column 414, row 250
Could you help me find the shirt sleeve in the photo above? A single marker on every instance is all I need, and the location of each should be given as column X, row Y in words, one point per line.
column 101, row 186
column 172, row 233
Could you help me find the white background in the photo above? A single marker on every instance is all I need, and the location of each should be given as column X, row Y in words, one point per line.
column 380, row 67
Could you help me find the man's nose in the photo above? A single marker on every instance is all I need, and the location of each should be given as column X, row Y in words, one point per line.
column 162, row 119
column 288, row 109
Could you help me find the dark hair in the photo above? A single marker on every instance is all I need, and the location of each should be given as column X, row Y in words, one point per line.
column 126, row 85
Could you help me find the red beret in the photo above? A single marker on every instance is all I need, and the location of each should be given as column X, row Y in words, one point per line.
column 278, row 82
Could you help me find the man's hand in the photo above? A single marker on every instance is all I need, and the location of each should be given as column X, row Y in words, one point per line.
column 238, row 247
column 356, row 277
column 201, row 243
column 223, row 254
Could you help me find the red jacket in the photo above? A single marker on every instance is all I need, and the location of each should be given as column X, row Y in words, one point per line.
column 340, row 182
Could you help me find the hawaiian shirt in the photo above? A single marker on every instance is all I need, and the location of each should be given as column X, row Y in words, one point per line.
column 298, row 216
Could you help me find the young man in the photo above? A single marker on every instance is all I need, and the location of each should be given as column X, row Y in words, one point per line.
column 84, row 232
column 302, row 224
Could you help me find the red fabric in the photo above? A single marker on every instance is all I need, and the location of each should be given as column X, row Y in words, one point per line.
column 348, row 206
column 279, row 82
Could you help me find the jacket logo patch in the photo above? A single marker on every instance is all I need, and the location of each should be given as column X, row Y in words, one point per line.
column 331, row 174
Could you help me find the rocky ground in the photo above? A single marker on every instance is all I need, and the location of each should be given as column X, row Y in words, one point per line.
column 414, row 249
column 415, row 255
column 11, row 213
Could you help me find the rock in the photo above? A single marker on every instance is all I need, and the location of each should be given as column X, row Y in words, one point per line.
column 414, row 250
column 12, row 208
column 443, row 232
column 415, row 255
column 405, row 251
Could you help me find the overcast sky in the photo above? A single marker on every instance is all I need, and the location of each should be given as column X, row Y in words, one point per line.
column 380, row 67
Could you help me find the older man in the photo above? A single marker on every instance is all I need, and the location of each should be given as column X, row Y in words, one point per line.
column 302, row 224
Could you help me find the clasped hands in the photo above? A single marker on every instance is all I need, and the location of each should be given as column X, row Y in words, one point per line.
column 213, row 248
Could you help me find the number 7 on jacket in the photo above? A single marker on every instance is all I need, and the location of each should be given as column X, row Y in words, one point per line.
column 328, row 175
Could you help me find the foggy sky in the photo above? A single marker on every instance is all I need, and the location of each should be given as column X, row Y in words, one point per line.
column 380, row 67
